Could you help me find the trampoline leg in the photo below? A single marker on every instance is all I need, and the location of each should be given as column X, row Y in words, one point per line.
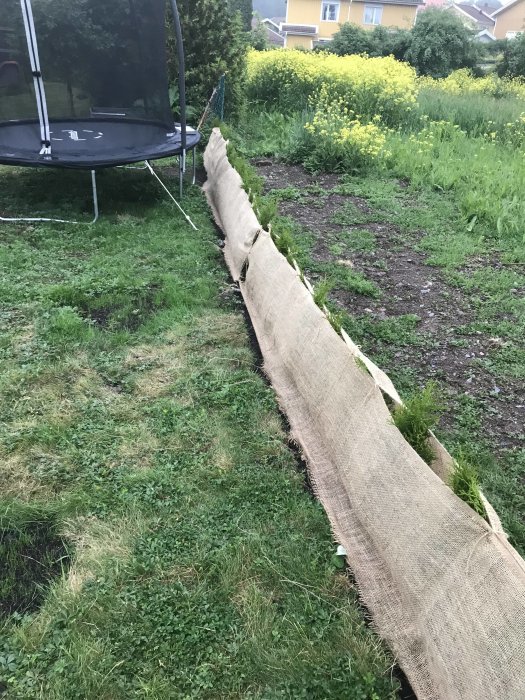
column 95, row 195
column 194, row 168
column 181, row 176
column 40, row 219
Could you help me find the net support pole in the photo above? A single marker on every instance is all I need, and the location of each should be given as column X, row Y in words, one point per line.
column 182, row 89
column 40, row 93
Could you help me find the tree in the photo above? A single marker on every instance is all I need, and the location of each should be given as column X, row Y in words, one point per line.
column 245, row 7
column 381, row 41
column 259, row 37
column 214, row 43
column 351, row 39
column 390, row 42
column 440, row 44
column 512, row 64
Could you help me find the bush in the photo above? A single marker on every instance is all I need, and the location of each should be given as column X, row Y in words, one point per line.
column 336, row 140
column 513, row 62
column 463, row 82
column 258, row 38
column 214, row 43
column 290, row 80
column 440, row 43
column 352, row 39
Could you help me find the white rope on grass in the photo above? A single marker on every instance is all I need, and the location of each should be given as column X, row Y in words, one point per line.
column 36, row 220
column 171, row 196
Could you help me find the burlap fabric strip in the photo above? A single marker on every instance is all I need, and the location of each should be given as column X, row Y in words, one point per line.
column 446, row 591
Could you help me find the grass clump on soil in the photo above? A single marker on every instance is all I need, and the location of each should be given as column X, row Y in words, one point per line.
column 200, row 565
column 464, row 483
column 419, row 414
column 321, row 291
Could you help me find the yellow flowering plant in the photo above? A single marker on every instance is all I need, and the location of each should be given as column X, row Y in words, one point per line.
column 462, row 82
column 336, row 139
column 287, row 79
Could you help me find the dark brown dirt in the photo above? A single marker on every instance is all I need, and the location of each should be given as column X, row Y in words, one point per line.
column 409, row 285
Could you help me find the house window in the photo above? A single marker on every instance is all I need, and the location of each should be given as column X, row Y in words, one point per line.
column 373, row 14
column 330, row 11
column 512, row 35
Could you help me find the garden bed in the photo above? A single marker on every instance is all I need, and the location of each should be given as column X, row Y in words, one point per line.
column 421, row 312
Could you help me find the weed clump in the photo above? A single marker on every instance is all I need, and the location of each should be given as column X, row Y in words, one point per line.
column 284, row 240
column 252, row 183
column 267, row 210
column 416, row 417
column 321, row 292
column 464, row 482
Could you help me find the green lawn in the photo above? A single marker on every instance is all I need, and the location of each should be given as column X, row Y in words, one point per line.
column 161, row 537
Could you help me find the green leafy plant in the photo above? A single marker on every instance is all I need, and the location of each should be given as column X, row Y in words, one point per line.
column 464, row 482
column 440, row 43
column 267, row 207
column 214, row 44
column 321, row 291
column 251, row 181
column 283, row 238
column 416, row 417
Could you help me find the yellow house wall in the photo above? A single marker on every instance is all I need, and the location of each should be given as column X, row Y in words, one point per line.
column 309, row 12
column 511, row 20
column 401, row 16
column 294, row 42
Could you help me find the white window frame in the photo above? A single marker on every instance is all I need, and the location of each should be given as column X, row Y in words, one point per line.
column 325, row 5
column 375, row 9
column 513, row 35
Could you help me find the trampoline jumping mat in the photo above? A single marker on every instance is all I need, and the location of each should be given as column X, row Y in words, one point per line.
column 91, row 144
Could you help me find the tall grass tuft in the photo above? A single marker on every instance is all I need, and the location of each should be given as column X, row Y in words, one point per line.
column 464, row 483
column 416, row 417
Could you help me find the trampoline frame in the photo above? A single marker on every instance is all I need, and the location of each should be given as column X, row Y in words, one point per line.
column 45, row 128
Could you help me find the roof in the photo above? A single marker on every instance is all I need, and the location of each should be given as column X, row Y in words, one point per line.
column 392, row 2
column 274, row 38
column 301, row 29
column 476, row 14
column 505, row 7
column 485, row 32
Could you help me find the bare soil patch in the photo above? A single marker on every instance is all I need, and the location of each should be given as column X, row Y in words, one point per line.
column 448, row 351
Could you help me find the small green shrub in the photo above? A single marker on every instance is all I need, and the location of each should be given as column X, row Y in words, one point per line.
column 464, row 482
column 419, row 415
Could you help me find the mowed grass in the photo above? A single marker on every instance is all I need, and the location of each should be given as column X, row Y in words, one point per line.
column 167, row 541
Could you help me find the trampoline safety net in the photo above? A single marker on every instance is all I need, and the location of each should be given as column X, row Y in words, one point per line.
column 100, row 82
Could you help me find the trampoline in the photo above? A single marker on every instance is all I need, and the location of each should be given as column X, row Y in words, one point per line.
column 84, row 85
